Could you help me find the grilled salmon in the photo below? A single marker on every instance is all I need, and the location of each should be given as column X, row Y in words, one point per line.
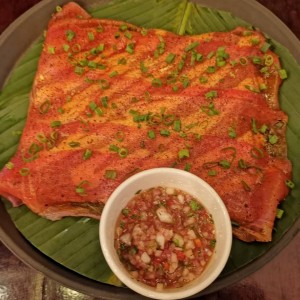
column 111, row 99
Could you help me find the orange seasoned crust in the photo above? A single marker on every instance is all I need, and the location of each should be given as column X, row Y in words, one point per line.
column 111, row 99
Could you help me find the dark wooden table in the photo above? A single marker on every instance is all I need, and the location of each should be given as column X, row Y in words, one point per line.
column 278, row 279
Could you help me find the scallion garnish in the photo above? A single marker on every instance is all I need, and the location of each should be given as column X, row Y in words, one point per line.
column 165, row 132
column 79, row 70
column 290, row 184
column 104, row 84
column 231, row 132
column 256, row 60
column 110, row 174
column 51, row 50
column 104, row 101
column 177, row 125
column 251, row 88
column 191, row 46
column 9, row 165
column 279, row 213
column 55, row 124
column 210, row 54
column 212, row 173
column 246, row 186
column 265, row 47
column 113, row 74
column 183, row 153
column 243, row 61
column 80, row 188
column 273, row 139
column 74, row 144
column 91, row 36
column 170, row 58
column 151, row 134
column 24, row 172
column 44, row 107
column 122, row 61
column 282, row 74
column 225, row 164
column 130, row 48
column 87, row 154
column 211, row 69
column 263, row 128
column 211, row 94
column 143, row 68
column 70, row 35
column 156, row 82
column 203, row 79
column 269, row 60
column 128, row 35
column 123, row 152
column 123, row 27
column 256, row 153
column 187, row 167
column 253, row 126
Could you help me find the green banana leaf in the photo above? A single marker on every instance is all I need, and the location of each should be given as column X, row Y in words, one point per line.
column 73, row 242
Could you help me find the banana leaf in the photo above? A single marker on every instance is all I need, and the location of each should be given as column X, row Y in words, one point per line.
column 74, row 242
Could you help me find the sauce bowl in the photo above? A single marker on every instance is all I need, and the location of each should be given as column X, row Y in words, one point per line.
column 191, row 184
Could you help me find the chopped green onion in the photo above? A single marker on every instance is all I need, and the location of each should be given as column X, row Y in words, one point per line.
column 263, row 128
column 279, row 213
column 55, row 124
column 119, row 136
column 58, row 8
column 165, row 132
column 151, row 134
column 256, row 60
column 246, row 186
column 225, row 164
column 254, row 41
column 51, row 50
column 177, row 125
column 183, row 153
column 80, row 188
column 60, row 110
column 143, row 68
column 156, row 82
column 251, row 88
column 269, row 60
column 79, row 70
column 175, row 88
column 122, row 61
column 290, row 184
column 74, row 144
column 24, row 172
column 210, row 95
column 93, row 105
column 113, row 74
column 191, row 46
column 282, row 74
column 265, row 47
column 185, row 82
column 262, row 87
column 125, row 211
column 168, row 119
column 34, row 148
column 114, row 148
column 242, row 164
column 273, row 139
column 123, row 27
column 87, row 154
column 203, row 79
column 70, row 35
column 170, row 58
column 104, row 84
column 256, row 153
column 210, row 54
column 195, row 205
column 44, row 107
column 187, row 167
column 130, row 48
column 243, row 61
column 212, row 173
column 253, row 126
column 91, row 36
column 128, row 35
column 110, row 174
column 144, row 32
column 9, row 165
column 123, row 152
column 231, row 132
column 99, row 28
column 211, row 69
column 104, row 101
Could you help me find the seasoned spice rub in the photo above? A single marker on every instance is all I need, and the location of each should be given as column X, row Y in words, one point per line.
column 111, row 99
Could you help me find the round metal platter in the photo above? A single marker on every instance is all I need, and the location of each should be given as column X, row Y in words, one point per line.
column 13, row 43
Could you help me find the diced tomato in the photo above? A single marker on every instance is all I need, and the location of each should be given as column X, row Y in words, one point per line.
column 180, row 255
column 198, row 243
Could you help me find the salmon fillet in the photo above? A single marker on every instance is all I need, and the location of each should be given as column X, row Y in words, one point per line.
column 111, row 99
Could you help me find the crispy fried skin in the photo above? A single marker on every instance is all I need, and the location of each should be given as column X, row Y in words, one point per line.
column 85, row 60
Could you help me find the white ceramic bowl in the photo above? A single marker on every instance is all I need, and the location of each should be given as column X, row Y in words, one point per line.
column 189, row 183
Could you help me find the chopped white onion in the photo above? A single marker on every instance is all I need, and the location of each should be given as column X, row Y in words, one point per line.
column 160, row 239
column 170, row 191
column 126, row 239
column 178, row 240
column 164, row 216
column 145, row 258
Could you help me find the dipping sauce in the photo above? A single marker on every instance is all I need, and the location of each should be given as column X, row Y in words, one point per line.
column 164, row 237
